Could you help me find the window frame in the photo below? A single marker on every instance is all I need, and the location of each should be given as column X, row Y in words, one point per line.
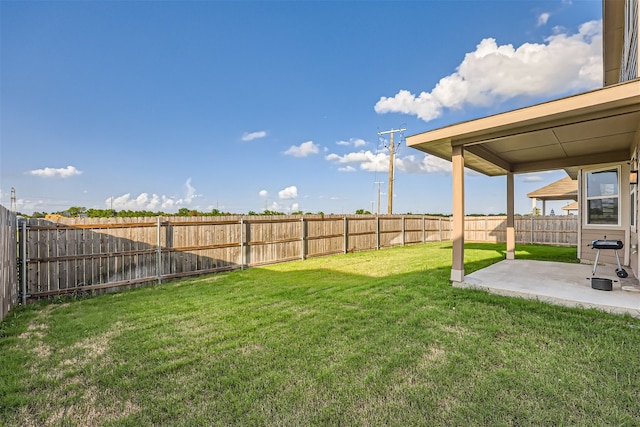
column 618, row 196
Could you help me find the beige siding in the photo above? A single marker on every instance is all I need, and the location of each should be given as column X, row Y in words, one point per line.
column 606, row 256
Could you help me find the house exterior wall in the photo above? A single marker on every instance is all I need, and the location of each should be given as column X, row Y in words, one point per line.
column 606, row 256
column 589, row 233
column 612, row 40
column 620, row 46
column 621, row 52
column 634, row 257
column 630, row 49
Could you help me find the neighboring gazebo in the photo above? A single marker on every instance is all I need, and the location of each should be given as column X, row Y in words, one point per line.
column 563, row 189
column 570, row 208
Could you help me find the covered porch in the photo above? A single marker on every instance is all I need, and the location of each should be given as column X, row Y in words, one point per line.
column 592, row 128
column 557, row 283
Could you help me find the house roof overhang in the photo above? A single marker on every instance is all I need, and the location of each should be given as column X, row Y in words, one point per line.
column 589, row 128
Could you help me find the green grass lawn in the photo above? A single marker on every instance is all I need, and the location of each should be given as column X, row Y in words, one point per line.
column 369, row 338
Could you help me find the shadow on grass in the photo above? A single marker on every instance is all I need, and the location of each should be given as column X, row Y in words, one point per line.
column 347, row 340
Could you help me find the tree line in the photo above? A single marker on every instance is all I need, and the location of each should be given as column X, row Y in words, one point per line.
column 81, row 211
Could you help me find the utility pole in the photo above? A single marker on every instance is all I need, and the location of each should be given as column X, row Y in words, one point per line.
column 378, row 182
column 13, row 200
column 392, row 152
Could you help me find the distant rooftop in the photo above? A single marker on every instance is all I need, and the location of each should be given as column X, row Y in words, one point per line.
column 563, row 189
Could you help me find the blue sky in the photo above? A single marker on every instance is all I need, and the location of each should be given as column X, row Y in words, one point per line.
column 244, row 105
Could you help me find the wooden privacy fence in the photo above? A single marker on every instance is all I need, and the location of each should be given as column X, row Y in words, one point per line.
column 8, row 261
column 543, row 230
column 91, row 254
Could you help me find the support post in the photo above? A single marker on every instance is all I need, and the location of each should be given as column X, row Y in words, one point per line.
column 377, row 232
column 511, row 231
column 457, row 265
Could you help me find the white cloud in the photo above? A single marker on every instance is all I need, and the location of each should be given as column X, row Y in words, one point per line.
column 275, row 206
column 367, row 160
column 190, row 193
column 24, row 205
column 543, row 18
column 152, row 202
column 264, row 194
column 356, row 142
column 303, row 150
column 250, row 136
column 563, row 64
column 288, row 193
column 295, row 207
column 56, row 172
column 143, row 201
column 379, row 162
column 428, row 164
column 532, row 178
column 347, row 168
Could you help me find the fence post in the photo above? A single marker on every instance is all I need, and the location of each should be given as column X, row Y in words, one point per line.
column 403, row 232
column 345, row 228
column 23, row 260
column 424, row 229
column 159, row 252
column 242, row 238
column 486, row 230
column 532, row 231
column 377, row 232
column 303, row 239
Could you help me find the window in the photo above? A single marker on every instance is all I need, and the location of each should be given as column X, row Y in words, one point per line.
column 603, row 197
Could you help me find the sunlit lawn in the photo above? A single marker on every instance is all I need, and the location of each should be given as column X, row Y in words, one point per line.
column 370, row 338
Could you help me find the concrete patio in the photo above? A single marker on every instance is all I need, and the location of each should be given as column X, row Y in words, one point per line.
column 558, row 283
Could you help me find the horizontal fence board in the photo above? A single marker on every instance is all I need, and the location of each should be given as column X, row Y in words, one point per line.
column 81, row 254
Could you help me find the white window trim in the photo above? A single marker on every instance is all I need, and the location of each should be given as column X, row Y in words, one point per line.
column 585, row 201
column 633, row 199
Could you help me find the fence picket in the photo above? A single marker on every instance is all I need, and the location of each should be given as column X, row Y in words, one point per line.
column 92, row 253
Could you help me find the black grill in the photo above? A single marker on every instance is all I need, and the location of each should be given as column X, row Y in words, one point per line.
column 607, row 244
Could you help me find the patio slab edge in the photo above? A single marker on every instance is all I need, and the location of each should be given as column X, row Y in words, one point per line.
column 565, row 284
column 635, row 313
